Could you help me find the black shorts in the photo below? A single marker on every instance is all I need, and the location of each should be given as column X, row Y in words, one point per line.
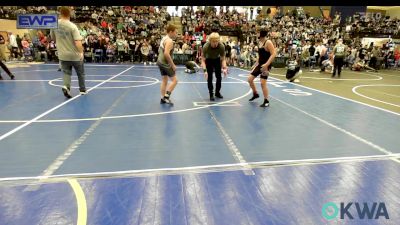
column 257, row 70
column 165, row 69
column 293, row 74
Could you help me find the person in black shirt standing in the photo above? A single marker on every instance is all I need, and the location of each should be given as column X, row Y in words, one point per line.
column 266, row 55
column 19, row 43
column 312, row 49
column 362, row 53
column 313, row 59
column 228, row 53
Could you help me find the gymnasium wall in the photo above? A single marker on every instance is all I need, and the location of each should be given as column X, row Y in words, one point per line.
column 382, row 12
column 313, row 10
column 11, row 25
column 347, row 11
column 393, row 12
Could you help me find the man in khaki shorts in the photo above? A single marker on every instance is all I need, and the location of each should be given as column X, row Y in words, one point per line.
column 167, row 65
column 2, row 48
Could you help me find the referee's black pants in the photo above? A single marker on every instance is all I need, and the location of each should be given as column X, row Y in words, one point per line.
column 337, row 65
column 214, row 65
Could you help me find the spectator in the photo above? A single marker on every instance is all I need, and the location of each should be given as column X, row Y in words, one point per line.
column 2, row 48
column 19, row 44
column 145, row 50
column 13, row 46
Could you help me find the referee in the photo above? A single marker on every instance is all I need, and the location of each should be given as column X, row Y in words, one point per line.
column 339, row 52
column 213, row 57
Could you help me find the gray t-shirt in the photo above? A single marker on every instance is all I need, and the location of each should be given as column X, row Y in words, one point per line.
column 66, row 35
column 213, row 53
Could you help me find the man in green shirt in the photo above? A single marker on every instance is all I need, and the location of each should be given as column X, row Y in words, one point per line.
column 213, row 57
column 339, row 51
column 70, row 51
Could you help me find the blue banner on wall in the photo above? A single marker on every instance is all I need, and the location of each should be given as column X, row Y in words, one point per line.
column 37, row 21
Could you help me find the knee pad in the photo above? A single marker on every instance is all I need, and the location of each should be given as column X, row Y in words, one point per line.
column 265, row 77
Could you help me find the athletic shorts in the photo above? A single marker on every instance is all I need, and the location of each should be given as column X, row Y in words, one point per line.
column 165, row 69
column 292, row 74
column 257, row 71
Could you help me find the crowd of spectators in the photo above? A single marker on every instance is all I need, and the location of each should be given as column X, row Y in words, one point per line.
column 133, row 33
column 372, row 24
column 11, row 12
column 122, row 33
column 294, row 35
